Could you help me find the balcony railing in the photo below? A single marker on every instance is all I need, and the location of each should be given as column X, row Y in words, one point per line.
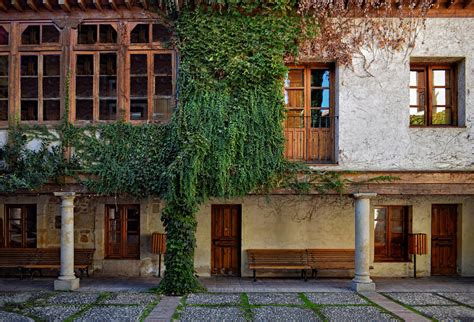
column 310, row 138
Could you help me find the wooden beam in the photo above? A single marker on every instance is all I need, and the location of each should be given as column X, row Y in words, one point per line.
column 113, row 4
column 32, row 5
column 98, row 5
column 82, row 4
column 3, row 5
column 466, row 3
column 128, row 3
column 48, row 5
column 17, row 5
column 64, row 4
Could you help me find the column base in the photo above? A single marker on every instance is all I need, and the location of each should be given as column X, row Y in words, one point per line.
column 363, row 287
column 66, row 285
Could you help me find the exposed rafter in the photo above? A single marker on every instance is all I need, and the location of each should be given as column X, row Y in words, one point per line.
column 17, row 5
column 48, row 5
column 32, row 5
column 97, row 5
column 64, row 4
column 113, row 4
column 82, row 4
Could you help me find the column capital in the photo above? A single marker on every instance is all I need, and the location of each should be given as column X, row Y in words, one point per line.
column 65, row 194
column 364, row 195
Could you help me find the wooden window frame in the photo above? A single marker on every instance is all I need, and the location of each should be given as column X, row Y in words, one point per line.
column 307, row 68
column 428, row 68
column 122, row 210
column 24, row 224
column 8, row 99
column 388, row 238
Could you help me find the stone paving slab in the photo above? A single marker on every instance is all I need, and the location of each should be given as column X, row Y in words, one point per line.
column 112, row 313
column 281, row 313
column 355, row 313
column 419, row 298
column 13, row 317
column 71, row 298
column 458, row 313
column 274, row 298
column 464, row 298
column 131, row 298
column 335, row 298
column 200, row 313
column 16, row 297
column 164, row 311
column 54, row 313
column 214, row 299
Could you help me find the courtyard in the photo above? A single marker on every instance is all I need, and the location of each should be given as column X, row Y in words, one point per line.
column 239, row 299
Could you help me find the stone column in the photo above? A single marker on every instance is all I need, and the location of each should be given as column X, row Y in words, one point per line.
column 67, row 281
column 362, row 281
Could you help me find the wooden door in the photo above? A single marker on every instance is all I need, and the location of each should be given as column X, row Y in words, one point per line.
column 225, row 247
column 443, row 239
column 123, row 231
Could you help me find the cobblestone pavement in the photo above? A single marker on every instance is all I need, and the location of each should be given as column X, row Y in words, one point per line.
column 76, row 306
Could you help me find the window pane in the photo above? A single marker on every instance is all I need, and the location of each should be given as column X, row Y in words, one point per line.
column 108, row 64
column 441, row 116
column 320, row 78
column 162, row 64
column 87, row 34
column 29, row 110
column 138, row 86
column 29, row 87
column 51, row 110
column 51, row 87
column 320, row 118
column 107, row 34
column 163, row 86
column 441, row 77
column 31, row 35
column 29, row 65
column 108, row 75
column 417, row 116
column 163, row 109
column 295, row 78
column 85, row 65
column 3, row 110
column 413, row 78
column 161, row 33
column 31, row 226
column 50, row 34
column 51, row 65
column 84, row 78
column 4, row 37
column 3, row 87
column 138, row 64
column 441, row 96
column 84, row 109
column 414, row 97
column 380, row 226
column 294, row 118
column 320, row 98
column 294, row 98
column 140, row 34
column 138, row 109
column 84, row 86
column 4, row 65
column 107, row 109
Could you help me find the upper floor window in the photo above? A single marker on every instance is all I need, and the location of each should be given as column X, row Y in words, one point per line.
column 433, row 95
column 140, row 34
column 391, row 233
column 40, row 34
column 4, row 36
column 21, row 226
column 93, row 34
column 4, row 71
column 309, row 100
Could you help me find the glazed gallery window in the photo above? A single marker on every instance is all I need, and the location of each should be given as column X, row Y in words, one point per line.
column 40, row 34
column 4, row 71
column 21, row 226
column 40, row 87
column 122, row 230
column 151, row 86
column 433, row 95
column 93, row 34
column 391, row 225
column 96, row 86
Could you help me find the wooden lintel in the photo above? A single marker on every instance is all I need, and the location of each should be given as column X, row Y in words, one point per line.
column 113, row 4
column 82, row 4
column 3, row 5
column 98, row 5
column 467, row 3
column 128, row 3
column 144, row 4
column 48, row 5
column 64, row 4
column 17, row 5
column 32, row 5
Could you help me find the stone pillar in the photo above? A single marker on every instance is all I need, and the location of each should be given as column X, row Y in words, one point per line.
column 67, row 281
column 362, row 281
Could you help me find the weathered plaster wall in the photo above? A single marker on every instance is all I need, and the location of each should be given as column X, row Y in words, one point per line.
column 374, row 132
column 328, row 222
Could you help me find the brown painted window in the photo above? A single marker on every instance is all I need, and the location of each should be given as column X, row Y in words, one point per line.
column 4, row 36
column 391, row 224
column 93, row 34
column 151, row 85
column 122, row 223
column 309, row 100
column 40, row 87
column 4, row 65
column 40, row 34
column 21, row 226
column 96, row 86
column 433, row 95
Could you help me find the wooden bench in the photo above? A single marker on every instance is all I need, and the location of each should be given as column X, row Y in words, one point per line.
column 320, row 259
column 36, row 259
column 278, row 259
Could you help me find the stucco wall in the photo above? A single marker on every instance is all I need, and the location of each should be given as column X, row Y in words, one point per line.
column 328, row 222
